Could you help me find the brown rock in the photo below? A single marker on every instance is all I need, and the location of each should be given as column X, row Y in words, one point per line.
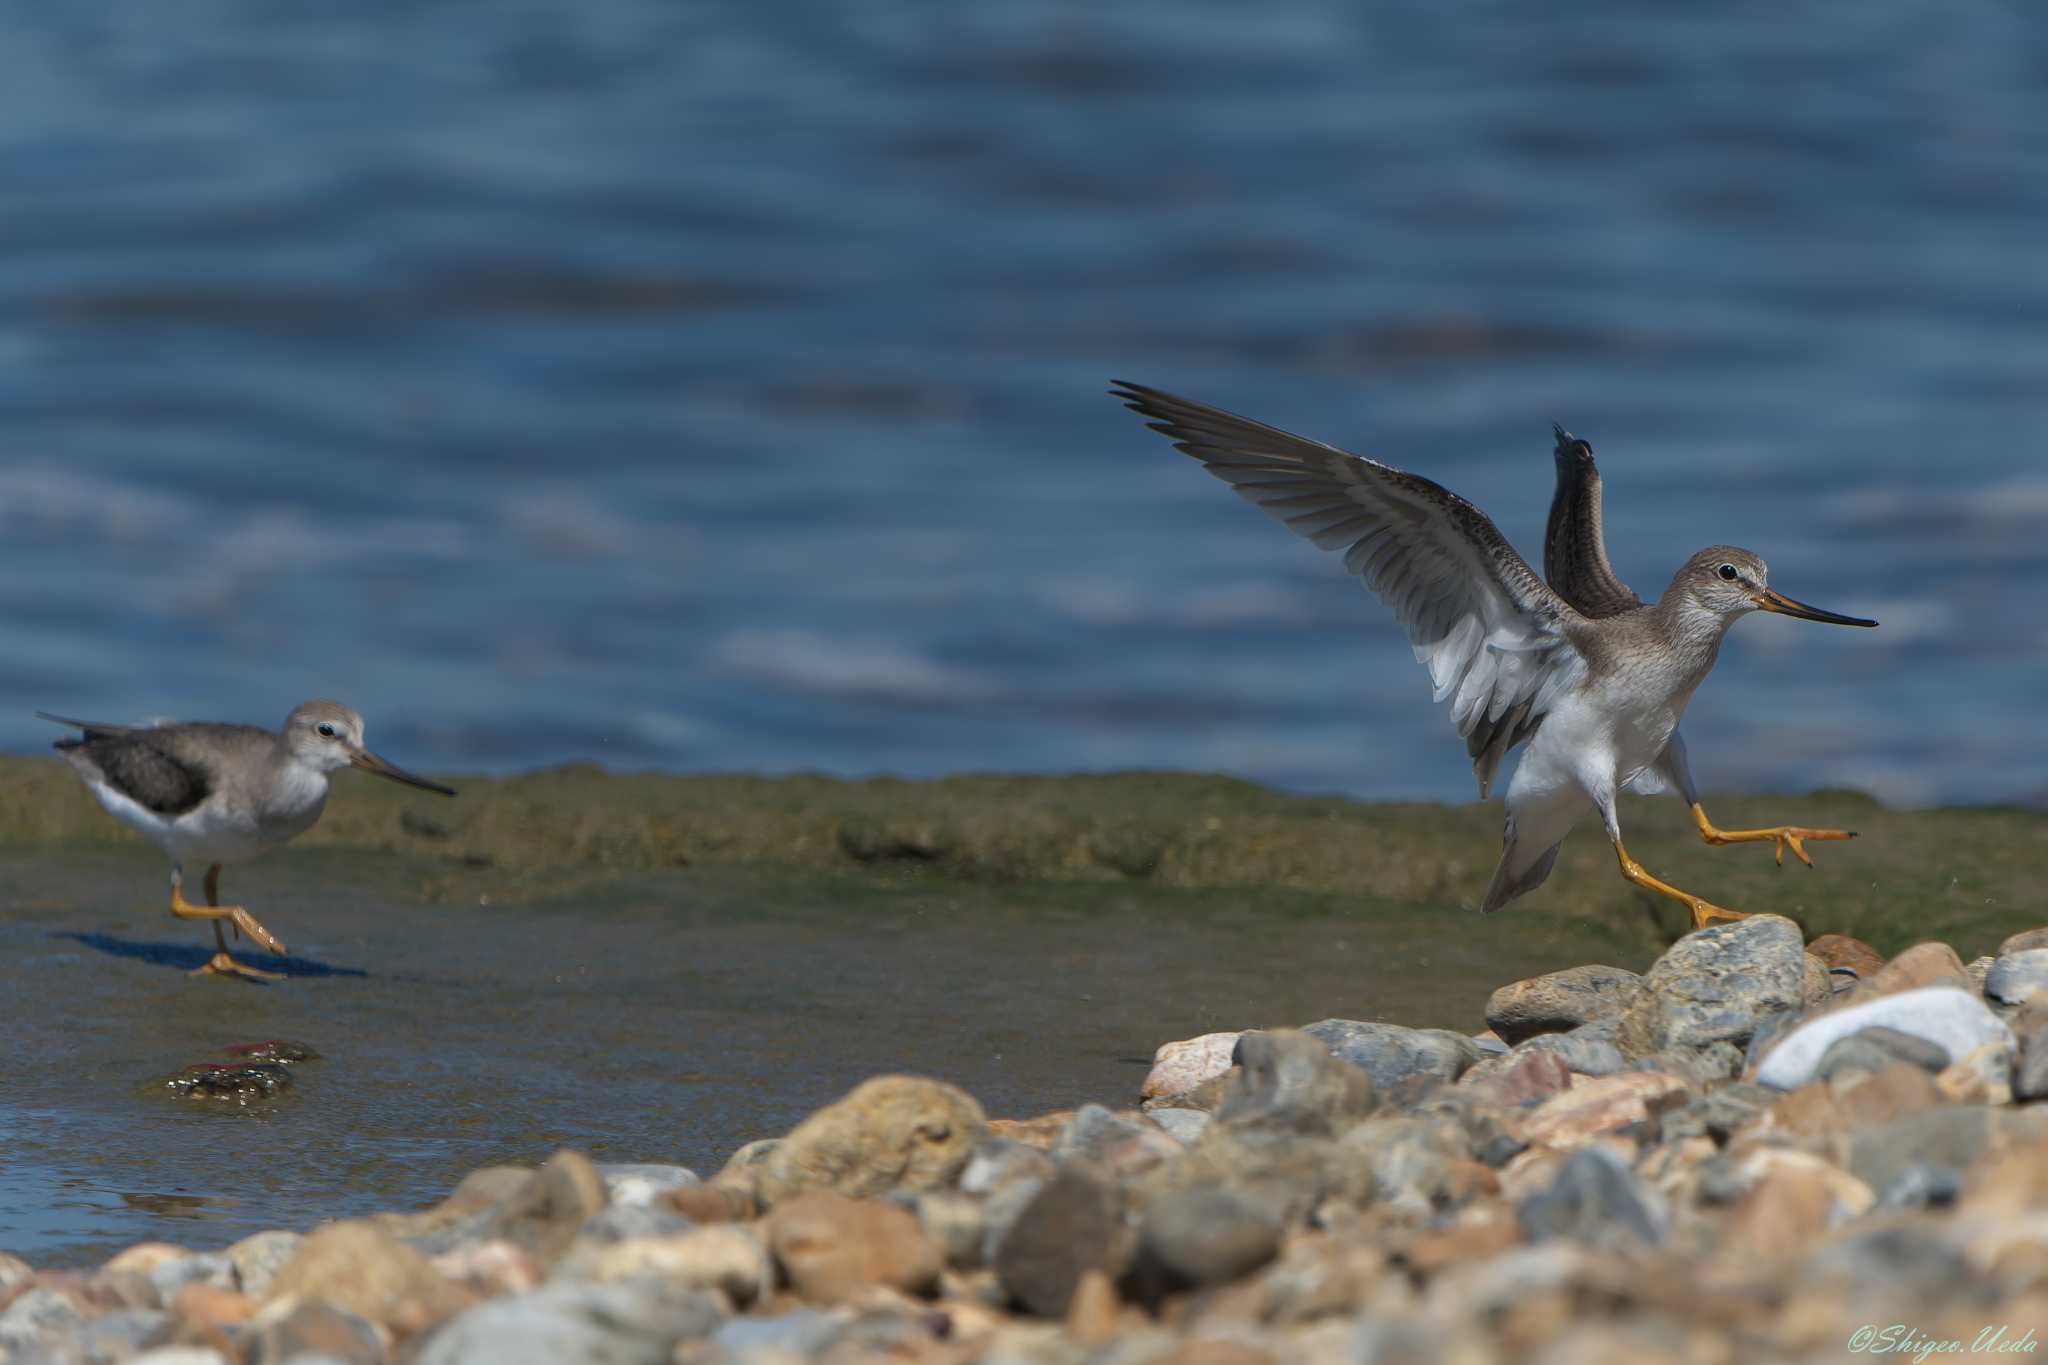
column 1601, row 1104
column 144, row 1258
column 1092, row 1313
column 1041, row 1132
column 2003, row 1185
column 831, row 1248
column 1890, row 1092
column 2022, row 941
column 1180, row 1066
column 721, row 1256
column 1816, row 986
column 1473, row 1241
column 1526, row 1079
column 1923, row 964
column 213, row 1306
column 1839, row 950
column 291, row 1327
column 715, row 1201
column 1984, row 1076
column 492, row 1269
column 1779, row 1218
column 364, row 1269
column 890, row 1133
column 1560, row 1001
column 543, row 1215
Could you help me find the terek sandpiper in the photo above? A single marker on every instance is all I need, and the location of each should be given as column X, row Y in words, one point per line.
column 1593, row 678
column 218, row 794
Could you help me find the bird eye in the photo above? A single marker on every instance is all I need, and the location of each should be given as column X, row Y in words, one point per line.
column 328, row 730
column 1727, row 572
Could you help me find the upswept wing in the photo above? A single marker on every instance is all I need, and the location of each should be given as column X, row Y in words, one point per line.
column 1574, row 541
column 1489, row 631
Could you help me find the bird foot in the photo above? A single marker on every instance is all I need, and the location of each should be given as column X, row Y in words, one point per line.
column 1784, row 836
column 244, row 922
column 1705, row 913
column 220, row 964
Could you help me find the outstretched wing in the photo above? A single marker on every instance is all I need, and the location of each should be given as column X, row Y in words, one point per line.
column 1574, row 543
column 1482, row 622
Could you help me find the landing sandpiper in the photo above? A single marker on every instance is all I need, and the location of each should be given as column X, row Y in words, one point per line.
column 1593, row 678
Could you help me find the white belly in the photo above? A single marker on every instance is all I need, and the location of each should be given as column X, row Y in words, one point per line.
column 209, row 833
column 1597, row 743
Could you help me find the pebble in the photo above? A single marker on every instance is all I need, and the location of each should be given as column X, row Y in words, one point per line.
column 891, row 1133
column 832, row 1248
column 616, row 1324
column 2015, row 976
column 1181, row 1066
column 1395, row 1057
column 1951, row 1019
column 360, row 1267
column 1922, row 965
column 1288, row 1079
column 1596, row 1199
column 1206, row 1236
column 1073, row 1224
column 641, row 1183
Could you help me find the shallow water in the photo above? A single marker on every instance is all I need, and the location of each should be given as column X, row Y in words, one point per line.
column 669, row 1018
column 720, row 386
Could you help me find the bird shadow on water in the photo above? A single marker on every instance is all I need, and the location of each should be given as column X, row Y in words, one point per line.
column 189, row 957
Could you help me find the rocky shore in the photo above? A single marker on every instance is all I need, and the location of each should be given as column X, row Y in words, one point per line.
column 1759, row 1149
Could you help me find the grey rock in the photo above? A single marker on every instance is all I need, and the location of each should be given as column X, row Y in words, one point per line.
column 258, row 1258
column 312, row 1328
column 201, row 1267
column 2030, row 1067
column 640, row 1182
column 1489, row 1044
column 1288, row 1080
column 1072, row 1225
column 37, row 1316
column 1183, row 1125
column 755, row 1153
column 634, row 1322
column 790, row 1336
column 1589, row 1049
column 1204, row 1236
column 1407, row 1157
column 1876, row 1047
column 1700, row 1065
column 1719, row 1114
column 1403, row 1062
column 1770, row 1031
column 1715, row 985
column 1007, row 1175
column 1098, row 1134
column 957, row 1224
column 2016, row 976
column 1944, row 1139
column 1561, row 1001
column 1898, row 1266
column 543, row 1216
column 1951, row 1019
column 1595, row 1199
column 1922, row 1185
column 623, row 1222
column 120, row 1335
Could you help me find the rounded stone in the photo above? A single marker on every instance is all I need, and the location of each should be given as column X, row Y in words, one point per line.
column 890, row 1133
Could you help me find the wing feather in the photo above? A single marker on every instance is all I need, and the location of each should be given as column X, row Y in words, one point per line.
column 1490, row 633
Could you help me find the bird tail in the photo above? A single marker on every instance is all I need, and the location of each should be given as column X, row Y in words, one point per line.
column 1518, row 873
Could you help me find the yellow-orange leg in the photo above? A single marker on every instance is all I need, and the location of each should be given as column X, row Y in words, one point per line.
column 1703, row 912
column 221, row 963
column 1785, row 835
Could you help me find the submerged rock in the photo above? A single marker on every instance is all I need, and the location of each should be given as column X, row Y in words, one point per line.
column 232, row 1082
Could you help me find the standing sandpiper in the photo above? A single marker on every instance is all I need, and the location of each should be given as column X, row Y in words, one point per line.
column 218, row 794
column 1594, row 679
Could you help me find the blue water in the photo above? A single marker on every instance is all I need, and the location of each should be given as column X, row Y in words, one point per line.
column 720, row 386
